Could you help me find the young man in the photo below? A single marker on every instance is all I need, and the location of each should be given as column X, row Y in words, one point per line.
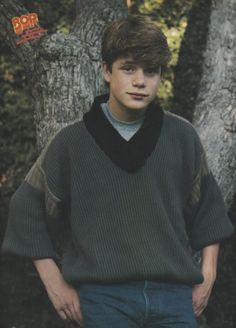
column 137, row 193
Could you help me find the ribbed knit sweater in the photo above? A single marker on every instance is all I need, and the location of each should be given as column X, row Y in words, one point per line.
column 124, row 226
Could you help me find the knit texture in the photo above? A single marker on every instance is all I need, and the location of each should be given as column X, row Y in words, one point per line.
column 124, row 226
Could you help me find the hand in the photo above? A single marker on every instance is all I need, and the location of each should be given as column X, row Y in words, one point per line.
column 63, row 297
column 65, row 300
column 201, row 294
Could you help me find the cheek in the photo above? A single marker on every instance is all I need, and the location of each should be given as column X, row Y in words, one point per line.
column 117, row 87
column 120, row 84
column 156, row 84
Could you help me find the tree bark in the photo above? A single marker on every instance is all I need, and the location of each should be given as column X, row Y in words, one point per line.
column 215, row 111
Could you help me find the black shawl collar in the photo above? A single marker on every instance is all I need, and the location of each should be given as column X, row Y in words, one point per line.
column 128, row 155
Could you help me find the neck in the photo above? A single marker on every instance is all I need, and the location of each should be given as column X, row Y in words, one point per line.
column 126, row 115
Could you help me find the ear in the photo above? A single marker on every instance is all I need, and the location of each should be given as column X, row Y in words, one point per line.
column 106, row 72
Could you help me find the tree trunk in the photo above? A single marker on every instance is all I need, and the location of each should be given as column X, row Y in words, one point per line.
column 215, row 112
column 64, row 70
column 215, row 120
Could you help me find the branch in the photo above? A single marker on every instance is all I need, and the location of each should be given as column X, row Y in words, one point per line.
column 26, row 52
column 100, row 12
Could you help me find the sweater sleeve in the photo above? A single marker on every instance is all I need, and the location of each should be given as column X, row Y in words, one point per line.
column 207, row 219
column 40, row 196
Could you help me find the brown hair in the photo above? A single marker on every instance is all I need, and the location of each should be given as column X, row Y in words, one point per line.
column 137, row 37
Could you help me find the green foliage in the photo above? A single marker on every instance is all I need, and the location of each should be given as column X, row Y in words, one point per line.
column 17, row 134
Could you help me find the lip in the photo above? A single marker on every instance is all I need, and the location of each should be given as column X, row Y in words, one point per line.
column 135, row 94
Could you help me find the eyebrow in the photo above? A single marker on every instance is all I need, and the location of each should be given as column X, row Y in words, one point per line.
column 132, row 62
column 129, row 62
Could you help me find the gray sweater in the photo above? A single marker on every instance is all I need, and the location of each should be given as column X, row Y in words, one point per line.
column 123, row 226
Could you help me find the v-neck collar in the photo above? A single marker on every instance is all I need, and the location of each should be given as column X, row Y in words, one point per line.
column 130, row 155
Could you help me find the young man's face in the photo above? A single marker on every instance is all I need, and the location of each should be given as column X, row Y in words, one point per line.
column 132, row 88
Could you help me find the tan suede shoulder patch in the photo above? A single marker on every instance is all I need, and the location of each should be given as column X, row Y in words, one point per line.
column 196, row 189
column 37, row 179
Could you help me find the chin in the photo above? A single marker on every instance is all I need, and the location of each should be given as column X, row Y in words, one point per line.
column 137, row 107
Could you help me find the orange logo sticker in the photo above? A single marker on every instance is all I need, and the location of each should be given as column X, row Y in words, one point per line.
column 26, row 28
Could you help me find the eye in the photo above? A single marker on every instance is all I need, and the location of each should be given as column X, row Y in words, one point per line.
column 151, row 71
column 128, row 68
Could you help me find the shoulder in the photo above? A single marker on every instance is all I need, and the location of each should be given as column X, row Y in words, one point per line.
column 183, row 134
column 67, row 134
column 69, row 130
column 178, row 125
column 177, row 121
column 60, row 144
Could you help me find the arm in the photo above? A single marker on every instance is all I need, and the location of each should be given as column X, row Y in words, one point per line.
column 202, row 292
column 63, row 297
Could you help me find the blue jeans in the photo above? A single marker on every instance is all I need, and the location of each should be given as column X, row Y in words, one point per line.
column 145, row 304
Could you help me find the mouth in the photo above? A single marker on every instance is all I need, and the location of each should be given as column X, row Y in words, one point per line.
column 135, row 94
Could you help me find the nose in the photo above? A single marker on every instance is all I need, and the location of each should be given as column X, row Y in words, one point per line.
column 139, row 79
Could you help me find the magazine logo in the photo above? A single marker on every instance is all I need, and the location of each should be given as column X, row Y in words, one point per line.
column 25, row 27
